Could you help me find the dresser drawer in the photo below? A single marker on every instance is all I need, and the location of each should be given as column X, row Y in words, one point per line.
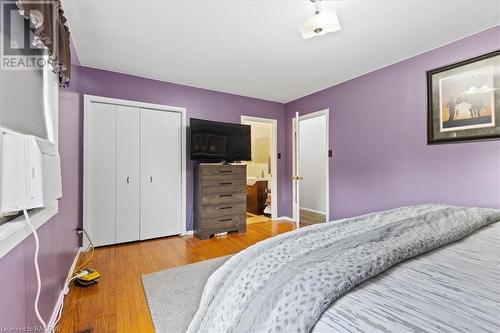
column 223, row 186
column 223, row 182
column 229, row 221
column 223, row 198
column 217, row 172
column 223, row 210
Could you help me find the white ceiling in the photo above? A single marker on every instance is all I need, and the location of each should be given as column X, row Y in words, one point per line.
column 253, row 48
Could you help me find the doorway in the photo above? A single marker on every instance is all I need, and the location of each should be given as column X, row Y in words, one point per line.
column 262, row 170
column 310, row 144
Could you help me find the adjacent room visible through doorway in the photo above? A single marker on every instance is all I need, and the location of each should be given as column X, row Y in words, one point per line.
column 261, row 170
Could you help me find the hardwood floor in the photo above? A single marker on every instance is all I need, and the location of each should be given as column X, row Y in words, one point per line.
column 251, row 218
column 307, row 217
column 118, row 304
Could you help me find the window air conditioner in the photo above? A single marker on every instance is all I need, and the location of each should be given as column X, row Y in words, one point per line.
column 30, row 173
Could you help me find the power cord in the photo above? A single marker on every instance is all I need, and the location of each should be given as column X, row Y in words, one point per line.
column 66, row 291
column 77, row 275
column 37, row 268
column 90, row 248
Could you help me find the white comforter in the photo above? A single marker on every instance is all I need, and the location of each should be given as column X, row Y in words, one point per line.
column 285, row 283
column 453, row 289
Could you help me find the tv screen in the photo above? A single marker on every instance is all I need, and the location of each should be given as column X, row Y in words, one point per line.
column 213, row 141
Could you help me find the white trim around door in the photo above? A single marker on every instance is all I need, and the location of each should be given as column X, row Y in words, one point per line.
column 320, row 113
column 274, row 160
column 88, row 99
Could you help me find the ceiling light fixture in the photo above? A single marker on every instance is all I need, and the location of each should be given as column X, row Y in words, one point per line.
column 323, row 22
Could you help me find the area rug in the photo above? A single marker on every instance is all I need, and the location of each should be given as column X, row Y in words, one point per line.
column 173, row 295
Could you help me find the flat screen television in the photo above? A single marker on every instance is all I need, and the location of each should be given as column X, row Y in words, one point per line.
column 213, row 141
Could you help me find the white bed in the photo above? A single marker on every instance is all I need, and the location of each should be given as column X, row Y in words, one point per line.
column 311, row 279
column 452, row 289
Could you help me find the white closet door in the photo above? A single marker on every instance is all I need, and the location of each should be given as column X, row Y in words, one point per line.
column 160, row 173
column 100, row 173
column 127, row 174
column 171, row 147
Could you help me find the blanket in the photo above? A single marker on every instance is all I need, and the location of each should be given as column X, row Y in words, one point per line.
column 284, row 283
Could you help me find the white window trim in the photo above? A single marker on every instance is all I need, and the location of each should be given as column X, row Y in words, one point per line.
column 12, row 233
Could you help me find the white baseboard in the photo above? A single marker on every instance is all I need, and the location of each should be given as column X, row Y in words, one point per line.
column 313, row 210
column 187, row 233
column 60, row 299
column 286, row 218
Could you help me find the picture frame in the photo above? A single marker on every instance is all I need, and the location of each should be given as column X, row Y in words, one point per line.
column 463, row 100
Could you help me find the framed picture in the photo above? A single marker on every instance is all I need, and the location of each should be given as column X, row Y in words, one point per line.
column 463, row 100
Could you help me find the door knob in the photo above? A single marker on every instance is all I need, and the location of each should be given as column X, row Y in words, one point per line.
column 128, row 180
column 297, row 178
column 150, row 179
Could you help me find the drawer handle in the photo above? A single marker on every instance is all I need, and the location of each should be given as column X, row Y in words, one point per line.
column 225, row 195
column 226, row 183
column 229, row 207
column 225, row 171
column 225, row 220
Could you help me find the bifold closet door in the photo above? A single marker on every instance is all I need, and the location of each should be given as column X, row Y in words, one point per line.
column 127, row 174
column 100, row 173
column 160, row 173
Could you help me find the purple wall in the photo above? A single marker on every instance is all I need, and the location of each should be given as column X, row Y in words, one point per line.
column 378, row 135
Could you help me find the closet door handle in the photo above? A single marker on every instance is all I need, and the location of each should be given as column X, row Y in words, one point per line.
column 128, row 180
column 225, row 195
column 229, row 207
column 150, row 179
column 226, row 183
column 225, row 171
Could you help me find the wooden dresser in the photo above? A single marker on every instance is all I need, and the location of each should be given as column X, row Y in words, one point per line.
column 219, row 199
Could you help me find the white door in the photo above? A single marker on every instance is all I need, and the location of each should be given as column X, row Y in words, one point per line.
column 171, row 152
column 296, row 178
column 160, row 207
column 100, row 173
column 310, row 175
column 127, row 174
